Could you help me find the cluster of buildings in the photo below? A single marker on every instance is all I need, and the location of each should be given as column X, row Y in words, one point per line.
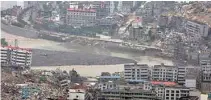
column 159, row 82
column 15, row 56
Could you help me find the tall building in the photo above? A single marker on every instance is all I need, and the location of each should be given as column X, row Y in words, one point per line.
column 135, row 28
column 205, row 64
column 196, row 30
column 16, row 56
column 186, row 73
column 167, row 90
column 164, row 73
column 81, row 17
column 136, row 72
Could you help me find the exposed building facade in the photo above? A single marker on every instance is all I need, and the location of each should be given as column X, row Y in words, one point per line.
column 196, row 30
column 16, row 56
column 128, row 94
column 77, row 94
column 136, row 72
column 205, row 64
column 81, row 17
column 164, row 73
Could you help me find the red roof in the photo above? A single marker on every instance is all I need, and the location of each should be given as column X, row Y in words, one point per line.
column 163, row 83
column 81, row 10
column 11, row 47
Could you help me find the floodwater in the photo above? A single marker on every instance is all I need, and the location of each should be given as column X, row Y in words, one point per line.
column 84, row 70
column 56, row 46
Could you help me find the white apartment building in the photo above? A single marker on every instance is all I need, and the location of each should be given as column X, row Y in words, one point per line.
column 206, row 70
column 174, row 93
column 107, row 85
column 205, row 64
column 5, row 55
column 16, row 56
column 121, row 6
column 77, row 94
column 182, row 73
column 196, row 30
column 164, row 73
column 136, row 72
column 167, row 90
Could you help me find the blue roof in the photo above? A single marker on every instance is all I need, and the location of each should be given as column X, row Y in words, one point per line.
column 109, row 77
column 137, row 81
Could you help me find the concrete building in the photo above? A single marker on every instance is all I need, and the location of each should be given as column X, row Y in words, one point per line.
column 173, row 93
column 136, row 72
column 107, row 85
column 205, row 64
column 135, row 29
column 205, row 87
column 196, row 30
column 164, row 73
column 81, row 17
column 77, row 94
column 167, row 90
column 192, row 77
column 121, row 6
column 16, row 56
column 128, row 94
column 187, row 72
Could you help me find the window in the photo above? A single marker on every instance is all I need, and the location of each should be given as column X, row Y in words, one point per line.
column 172, row 91
column 167, row 91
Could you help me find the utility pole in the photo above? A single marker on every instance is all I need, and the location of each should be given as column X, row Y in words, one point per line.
column 16, row 43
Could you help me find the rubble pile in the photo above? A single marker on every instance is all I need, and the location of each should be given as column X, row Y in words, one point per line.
column 198, row 11
column 17, row 85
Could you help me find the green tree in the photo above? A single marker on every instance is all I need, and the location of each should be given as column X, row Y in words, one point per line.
column 4, row 42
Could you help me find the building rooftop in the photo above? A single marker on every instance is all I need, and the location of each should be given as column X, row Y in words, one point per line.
column 109, row 77
column 81, row 10
column 129, row 91
column 16, row 48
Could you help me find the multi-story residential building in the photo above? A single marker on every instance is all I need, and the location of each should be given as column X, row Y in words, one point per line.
column 205, row 64
column 77, row 94
column 136, row 28
column 164, row 73
column 192, row 77
column 174, row 93
column 81, row 17
column 136, row 72
column 101, row 7
column 205, row 87
column 167, row 90
column 16, row 56
column 186, row 72
column 107, row 85
column 128, row 94
column 196, row 30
